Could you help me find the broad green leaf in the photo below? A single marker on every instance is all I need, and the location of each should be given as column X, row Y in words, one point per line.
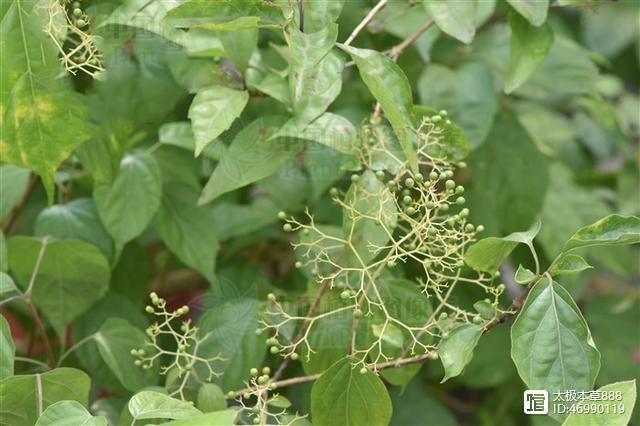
column 388, row 333
column 225, row 13
column 232, row 220
column 534, row 11
column 334, row 131
column 529, row 46
column 229, row 331
column 456, row 18
column 239, row 46
column 64, row 413
column 253, row 155
column 368, row 197
column 213, row 111
column 43, row 119
column 6, row 283
column 598, row 34
column 413, row 399
column 320, row 13
column 551, row 345
column 188, row 229
column 618, row 418
column 344, row 396
column 155, row 405
column 611, row 230
column 456, row 350
column 263, row 78
column 491, row 365
column 127, row 206
column 114, row 340
column 485, row 309
column 13, row 182
column 487, row 254
column 147, row 16
column 7, row 349
column 508, row 160
column 467, row 94
column 568, row 264
column 72, row 276
column 280, row 402
column 330, row 339
column 523, row 275
column 77, row 220
column 210, row 398
column 390, row 86
column 308, row 51
column 25, row 397
column 218, row 418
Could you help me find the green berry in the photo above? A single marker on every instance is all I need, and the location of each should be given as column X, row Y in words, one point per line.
column 497, row 274
column 363, row 370
column 80, row 23
column 246, row 395
column 443, row 316
column 391, row 263
column 419, row 177
column 445, row 334
column 333, row 192
column 344, row 295
column 287, row 227
column 443, row 112
column 262, row 380
column 271, row 297
column 449, row 174
column 266, row 371
column 282, row 215
column 272, row 341
column 298, row 264
column 430, row 205
column 462, row 165
column 443, row 175
column 436, row 118
column 274, row 349
column 231, row 394
column 464, row 212
column 432, row 231
column 294, row 356
column 357, row 313
column 460, row 201
column 444, row 207
column 407, row 199
column 273, row 386
column 501, row 287
column 380, row 174
column 254, row 372
column 410, row 211
column 149, row 309
column 258, row 331
column 433, row 176
column 469, row 227
column 355, row 178
column 449, row 184
column 134, row 352
column 256, row 420
column 409, row 183
column 477, row 319
column 480, row 228
column 459, row 189
column 77, row 12
column 138, row 362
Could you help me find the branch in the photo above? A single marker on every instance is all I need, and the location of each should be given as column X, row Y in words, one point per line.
column 15, row 212
column 377, row 8
column 397, row 50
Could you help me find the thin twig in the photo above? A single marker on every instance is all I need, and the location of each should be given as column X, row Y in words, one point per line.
column 15, row 212
column 365, row 21
column 397, row 50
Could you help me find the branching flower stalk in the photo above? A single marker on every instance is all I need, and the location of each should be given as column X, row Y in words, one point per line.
column 409, row 217
column 66, row 24
column 183, row 354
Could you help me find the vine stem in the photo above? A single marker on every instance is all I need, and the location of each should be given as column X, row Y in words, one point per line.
column 397, row 50
column 377, row 8
column 312, row 377
column 17, row 210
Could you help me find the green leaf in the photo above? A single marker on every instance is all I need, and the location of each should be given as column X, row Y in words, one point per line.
column 77, row 220
column 611, row 230
column 43, row 119
column 155, row 405
column 7, row 349
column 13, row 182
column 456, row 350
column 229, row 330
column 523, row 275
column 456, row 18
column 72, row 276
column 212, row 111
column 618, row 418
column 569, row 264
column 534, row 11
column 330, row 339
column 551, row 345
column 487, row 254
column 344, row 396
column 529, row 46
column 239, row 46
column 114, row 340
column 25, row 397
column 210, row 398
column 485, row 309
column 320, row 13
column 225, row 13
column 389, row 85
column 388, row 333
column 413, row 399
column 187, row 229
column 6, row 284
column 368, row 197
column 127, row 205
column 218, row 418
column 253, row 155
column 510, row 160
column 64, row 413
column 146, row 16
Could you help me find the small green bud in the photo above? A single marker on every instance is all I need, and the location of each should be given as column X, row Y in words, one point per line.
column 391, row 263
column 363, row 370
column 443, row 112
column 256, row 420
column 80, row 23
column 274, row 349
column 77, row 12
column 459, row 189
column 138, row 362
column 355, row 178
column 460, row 201
column 266, row 371
column 294, row 356
column 410, row 211
column 344, row 295
column 185, row 310
column 449, row 174
column 409, row 183
column 443, row 316
column 380, row 174
column 246, row 395
column 273, row 386
column 153, row 295
column 419, row 177
column 149, row 309
column 262, row 380
column 231, row 394
column 407, row 199
column 444, row 207
column 258, row 331
column 477, row 319
column 480, row 228
column 462, row 165
column 282, row 215
column 430, row 205
column 436, row 118
column 357, row 313
column 469, row 227
column 134, row 352
column 298, row 264
column 287, row 227
column 450, row 184
column 433, row 176
column 272, row 341
column 464, row 212
column 443, row 175
column 182, row 348
column 497, row 274
column 271, row 297
column 501, row 287
column 254, row 372
column 333, row 192
column 432, row 231
column 305, row 231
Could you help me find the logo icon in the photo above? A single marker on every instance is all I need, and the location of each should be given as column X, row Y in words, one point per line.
column 536, row 402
